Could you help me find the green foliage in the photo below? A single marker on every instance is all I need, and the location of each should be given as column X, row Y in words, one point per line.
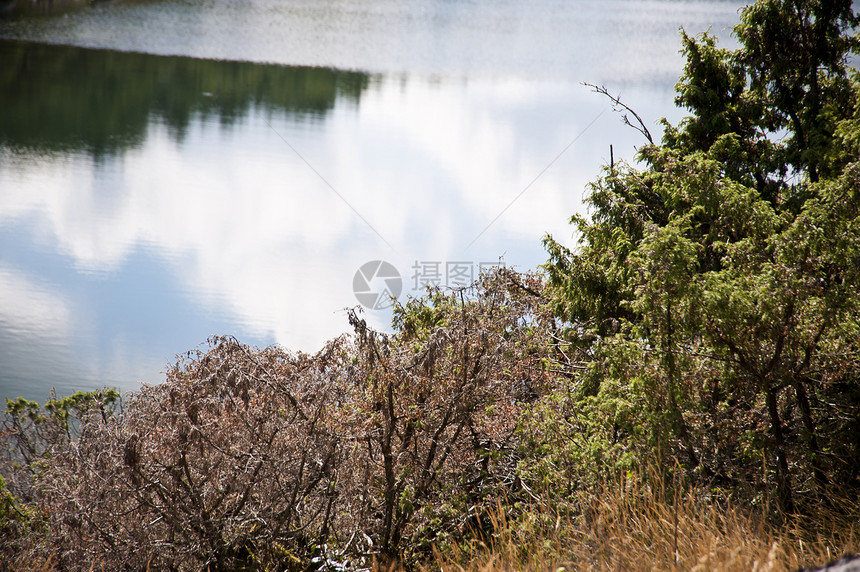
column 35, row 430
column 11, row 513
column 728, row 267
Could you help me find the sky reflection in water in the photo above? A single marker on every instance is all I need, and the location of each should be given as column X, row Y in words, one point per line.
column 165, row 199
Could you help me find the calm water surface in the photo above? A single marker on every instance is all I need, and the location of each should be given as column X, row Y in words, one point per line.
column 175, row 169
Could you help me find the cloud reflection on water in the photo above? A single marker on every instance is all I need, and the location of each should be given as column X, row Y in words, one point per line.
column 250, row 231
column 157, row 203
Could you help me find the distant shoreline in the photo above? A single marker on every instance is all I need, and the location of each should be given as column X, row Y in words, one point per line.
column 16, row 8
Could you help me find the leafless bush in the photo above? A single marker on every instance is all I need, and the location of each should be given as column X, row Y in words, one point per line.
column 224, row 464
column 258, row 458
column 440, row 404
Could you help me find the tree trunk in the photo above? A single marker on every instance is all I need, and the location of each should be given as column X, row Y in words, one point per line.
column 783, row 479
column 811, row 437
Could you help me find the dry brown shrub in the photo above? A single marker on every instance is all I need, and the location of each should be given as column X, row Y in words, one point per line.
column 261, row 458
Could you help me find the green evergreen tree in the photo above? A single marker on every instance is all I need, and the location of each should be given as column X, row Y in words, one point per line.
column 720, row 281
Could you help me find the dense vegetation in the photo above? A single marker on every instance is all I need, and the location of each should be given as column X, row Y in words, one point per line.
column 682, row 390
column 717, row 288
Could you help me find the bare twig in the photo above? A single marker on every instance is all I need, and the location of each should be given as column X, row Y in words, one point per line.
column 619, row 105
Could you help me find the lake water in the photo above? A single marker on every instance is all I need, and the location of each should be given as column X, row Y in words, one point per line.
column 175, row 169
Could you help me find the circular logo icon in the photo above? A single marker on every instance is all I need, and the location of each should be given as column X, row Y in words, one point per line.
column 376, row 283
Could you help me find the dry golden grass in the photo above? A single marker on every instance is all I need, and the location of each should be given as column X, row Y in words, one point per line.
column 633, row 527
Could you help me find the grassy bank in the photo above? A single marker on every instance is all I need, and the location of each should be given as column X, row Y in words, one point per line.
column 630, row 525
